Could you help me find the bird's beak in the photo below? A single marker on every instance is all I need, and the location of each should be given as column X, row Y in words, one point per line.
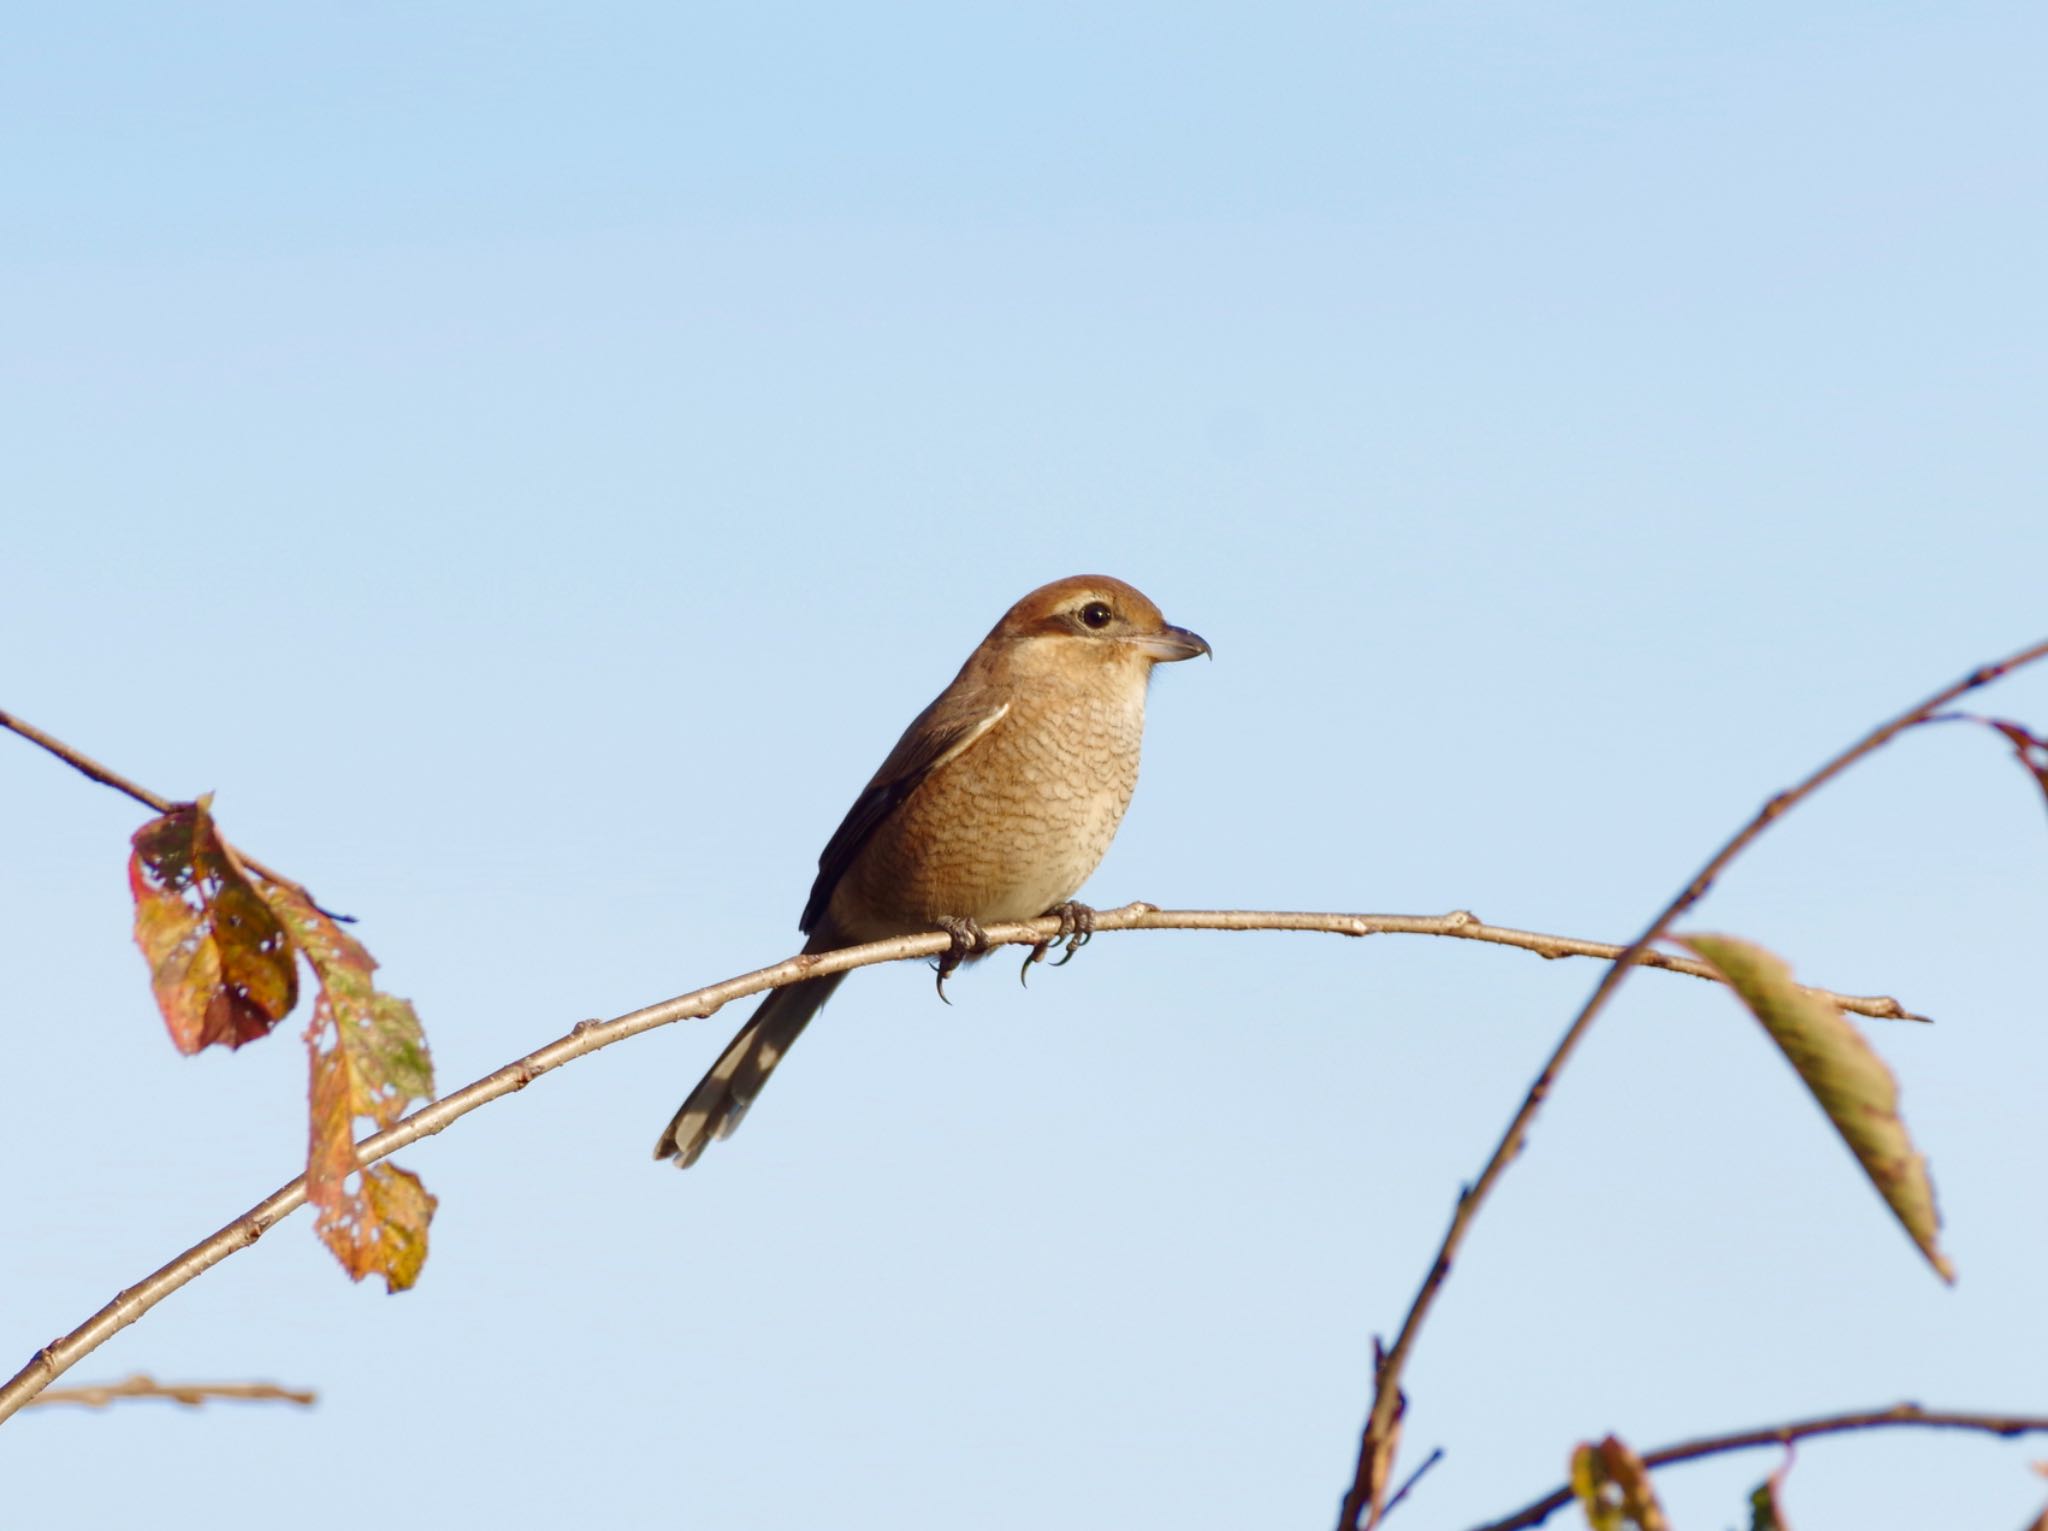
column 1171, row 643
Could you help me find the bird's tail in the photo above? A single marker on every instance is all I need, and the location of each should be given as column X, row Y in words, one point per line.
column 723, row 1095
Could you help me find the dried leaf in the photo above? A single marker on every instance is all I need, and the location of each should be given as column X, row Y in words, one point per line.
column 1845, row 1076
column 368, row 1062
column 220, row 962
column 1614, row 1489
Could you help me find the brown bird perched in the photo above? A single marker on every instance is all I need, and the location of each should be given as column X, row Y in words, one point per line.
column 996, row 804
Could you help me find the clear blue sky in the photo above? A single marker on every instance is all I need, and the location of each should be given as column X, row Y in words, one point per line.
column 530, row 461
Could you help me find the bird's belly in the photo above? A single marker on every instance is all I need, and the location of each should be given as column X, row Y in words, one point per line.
column 1012, row 828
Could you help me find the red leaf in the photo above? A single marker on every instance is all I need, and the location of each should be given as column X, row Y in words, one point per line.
column 220, row 962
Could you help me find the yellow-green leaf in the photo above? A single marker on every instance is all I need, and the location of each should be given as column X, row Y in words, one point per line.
column 368, row 1062
column 1613, row 1488
column 1845, row 1076
column 220, row 963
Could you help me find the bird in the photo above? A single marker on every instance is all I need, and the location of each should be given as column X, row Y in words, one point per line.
column 995, row 805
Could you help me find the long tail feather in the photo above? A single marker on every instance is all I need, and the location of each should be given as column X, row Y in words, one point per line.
column 723, row 1095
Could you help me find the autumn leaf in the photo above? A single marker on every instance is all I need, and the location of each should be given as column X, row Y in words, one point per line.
column 368, row 1061
column 223, row 957
column 220, row 962
column 1613, row 1488
column 1845, row 1076
column 380, row 1228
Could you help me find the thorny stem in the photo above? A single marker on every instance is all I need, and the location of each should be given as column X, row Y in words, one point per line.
column 1357, row 1506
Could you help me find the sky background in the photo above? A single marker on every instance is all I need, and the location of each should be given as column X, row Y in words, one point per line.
column 530, row 462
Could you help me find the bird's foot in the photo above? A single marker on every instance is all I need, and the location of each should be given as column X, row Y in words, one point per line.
column 1077, row 927
column 969, row 940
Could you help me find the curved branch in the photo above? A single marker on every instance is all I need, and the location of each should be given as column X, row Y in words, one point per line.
column 61, row 1355
column 1907, row 1414
column 1357, row 1507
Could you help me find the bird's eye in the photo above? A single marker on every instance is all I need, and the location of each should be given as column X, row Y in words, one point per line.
column 1097, row 614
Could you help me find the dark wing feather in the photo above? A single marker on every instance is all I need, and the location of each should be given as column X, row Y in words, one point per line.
column 954, row 721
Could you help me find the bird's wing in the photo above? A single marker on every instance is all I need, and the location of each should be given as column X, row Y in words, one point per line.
column 940, row 734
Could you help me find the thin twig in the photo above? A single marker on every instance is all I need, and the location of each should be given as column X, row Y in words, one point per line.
column 191, row 1394
column 1387, row 1382
column 87, row 766
column 1899, row 1414
column 1414, row 1478
column 1463, row 925
column 60, row 1355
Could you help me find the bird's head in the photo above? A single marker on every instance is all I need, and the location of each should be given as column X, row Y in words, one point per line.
column 1092, row 619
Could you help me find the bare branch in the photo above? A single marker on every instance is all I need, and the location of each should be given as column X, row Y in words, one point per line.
column 1357, row 1507
column 1899, row 1414
column 87, row 766
column 588, row 1036
column 191, row 1394
column 1463, row 925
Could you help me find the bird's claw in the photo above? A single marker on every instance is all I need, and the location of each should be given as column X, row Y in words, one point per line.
column 1077, row 928
column 968, row 940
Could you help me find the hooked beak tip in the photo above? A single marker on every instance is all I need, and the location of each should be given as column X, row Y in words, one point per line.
column 1171, row 644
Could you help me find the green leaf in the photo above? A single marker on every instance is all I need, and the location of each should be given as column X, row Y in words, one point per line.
column 1845, row 1076
column 1764, row 1513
